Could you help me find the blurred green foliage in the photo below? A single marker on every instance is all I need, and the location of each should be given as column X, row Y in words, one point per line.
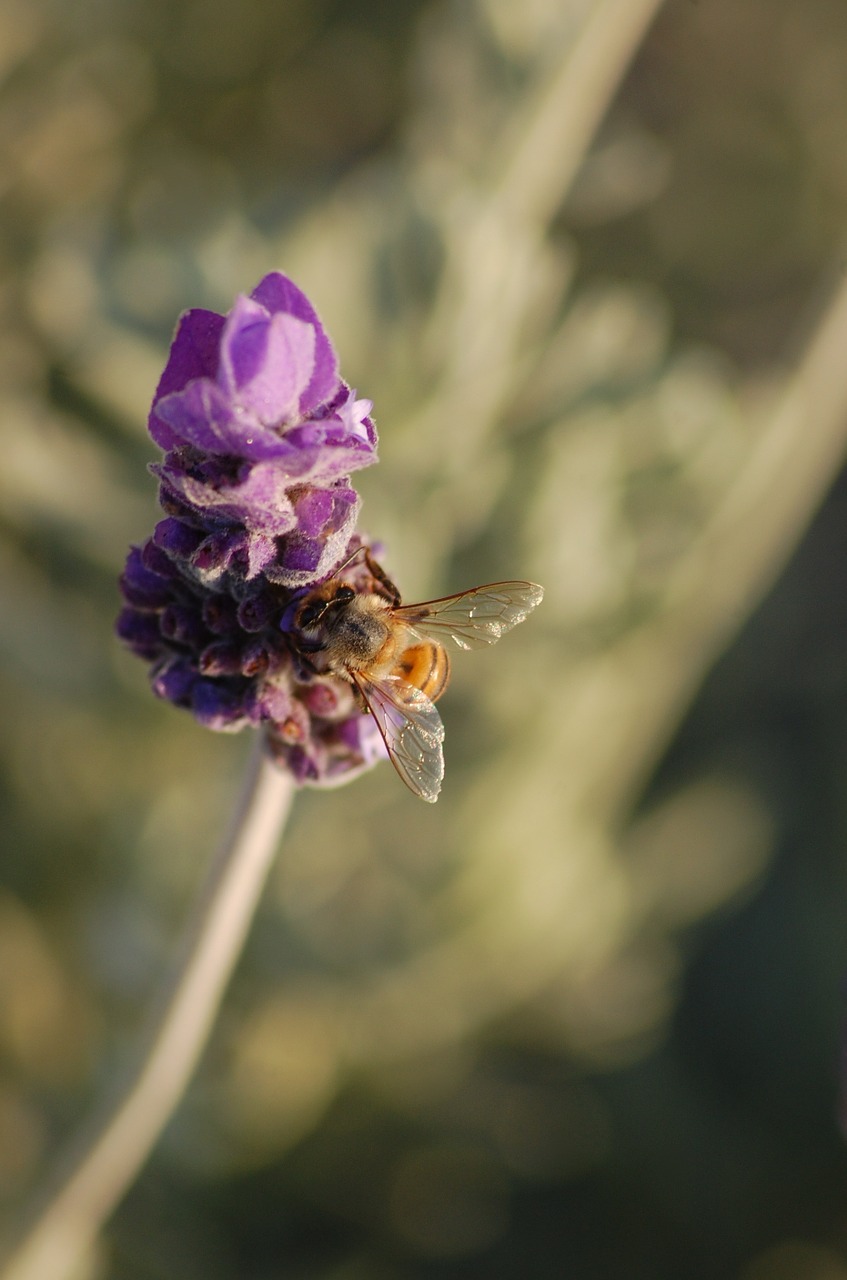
column 580, row 1019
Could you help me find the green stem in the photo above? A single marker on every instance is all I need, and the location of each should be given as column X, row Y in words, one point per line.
column 101, row 1163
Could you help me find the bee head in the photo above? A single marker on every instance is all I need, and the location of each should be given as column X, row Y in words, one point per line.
column 315, row 608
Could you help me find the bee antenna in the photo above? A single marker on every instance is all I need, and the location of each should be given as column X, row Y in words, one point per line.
column 352, row 556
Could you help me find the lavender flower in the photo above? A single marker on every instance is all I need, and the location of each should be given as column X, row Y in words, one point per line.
column 260, row 436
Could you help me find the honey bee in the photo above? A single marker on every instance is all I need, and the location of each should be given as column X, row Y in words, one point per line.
column 395, row 657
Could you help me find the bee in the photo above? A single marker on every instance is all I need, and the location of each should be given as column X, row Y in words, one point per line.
column 394, row 654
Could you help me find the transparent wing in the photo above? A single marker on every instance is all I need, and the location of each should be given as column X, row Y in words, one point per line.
column 411, row 729
column 473, row 618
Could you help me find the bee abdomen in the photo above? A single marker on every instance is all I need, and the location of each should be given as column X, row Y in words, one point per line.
column 426, row 666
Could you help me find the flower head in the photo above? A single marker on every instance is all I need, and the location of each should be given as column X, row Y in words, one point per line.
column 260, row 435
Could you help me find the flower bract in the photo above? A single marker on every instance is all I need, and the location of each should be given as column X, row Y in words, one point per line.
column 260, row 436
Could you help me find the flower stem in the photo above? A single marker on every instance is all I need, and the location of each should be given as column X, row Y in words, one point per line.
column 101, row 1163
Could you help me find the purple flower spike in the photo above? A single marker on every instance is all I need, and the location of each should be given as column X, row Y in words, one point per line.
column 260, row 436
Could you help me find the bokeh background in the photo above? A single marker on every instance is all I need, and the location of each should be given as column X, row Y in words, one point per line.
column 582, row 1017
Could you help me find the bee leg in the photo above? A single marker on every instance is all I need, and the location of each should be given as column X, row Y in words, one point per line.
column 377, row 572
column 302, row 662
column 360, row 699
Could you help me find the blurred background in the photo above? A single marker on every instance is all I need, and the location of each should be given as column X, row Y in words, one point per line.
column 582, row 1017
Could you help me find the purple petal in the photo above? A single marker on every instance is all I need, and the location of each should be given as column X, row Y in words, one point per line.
column 175, row 682
column 259, row 501
column 256, row 612
column 157, row 561
column 140, row 630
column 220, row 705
column 279, row 294
column 314, row 510
column 260, row 552
column 301, row 554
column 266, row 362
column 321, row 452
column 193, row 354
column 277, row 705
column 354, row 416
column 183, row 625
column 201, row 414
column 176, row 538
column 220, row 614
column 215, row 553
column 255, row 659
column 302, row 560
column 328, row 699
column 221, row 658
column 142, row 586
column 361, row 734
column 299, row 763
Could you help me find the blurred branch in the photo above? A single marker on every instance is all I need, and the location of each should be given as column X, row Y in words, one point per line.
column 795, row 456
column 562, row 116
column 499, row 259
column 102, row 1162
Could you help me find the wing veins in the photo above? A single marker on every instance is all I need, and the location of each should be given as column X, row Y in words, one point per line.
column 411, row 729
column 473, row 618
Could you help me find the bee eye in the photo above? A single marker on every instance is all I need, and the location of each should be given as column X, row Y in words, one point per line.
column 343, row 594
column 312, row 614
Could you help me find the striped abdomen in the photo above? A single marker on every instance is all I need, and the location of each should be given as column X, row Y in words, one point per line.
column 426, row 666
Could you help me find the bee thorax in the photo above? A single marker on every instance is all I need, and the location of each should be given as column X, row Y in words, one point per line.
column 358, row 636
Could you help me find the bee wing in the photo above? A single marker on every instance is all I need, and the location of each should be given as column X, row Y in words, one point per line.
column 476, row 617
column 411, row 729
